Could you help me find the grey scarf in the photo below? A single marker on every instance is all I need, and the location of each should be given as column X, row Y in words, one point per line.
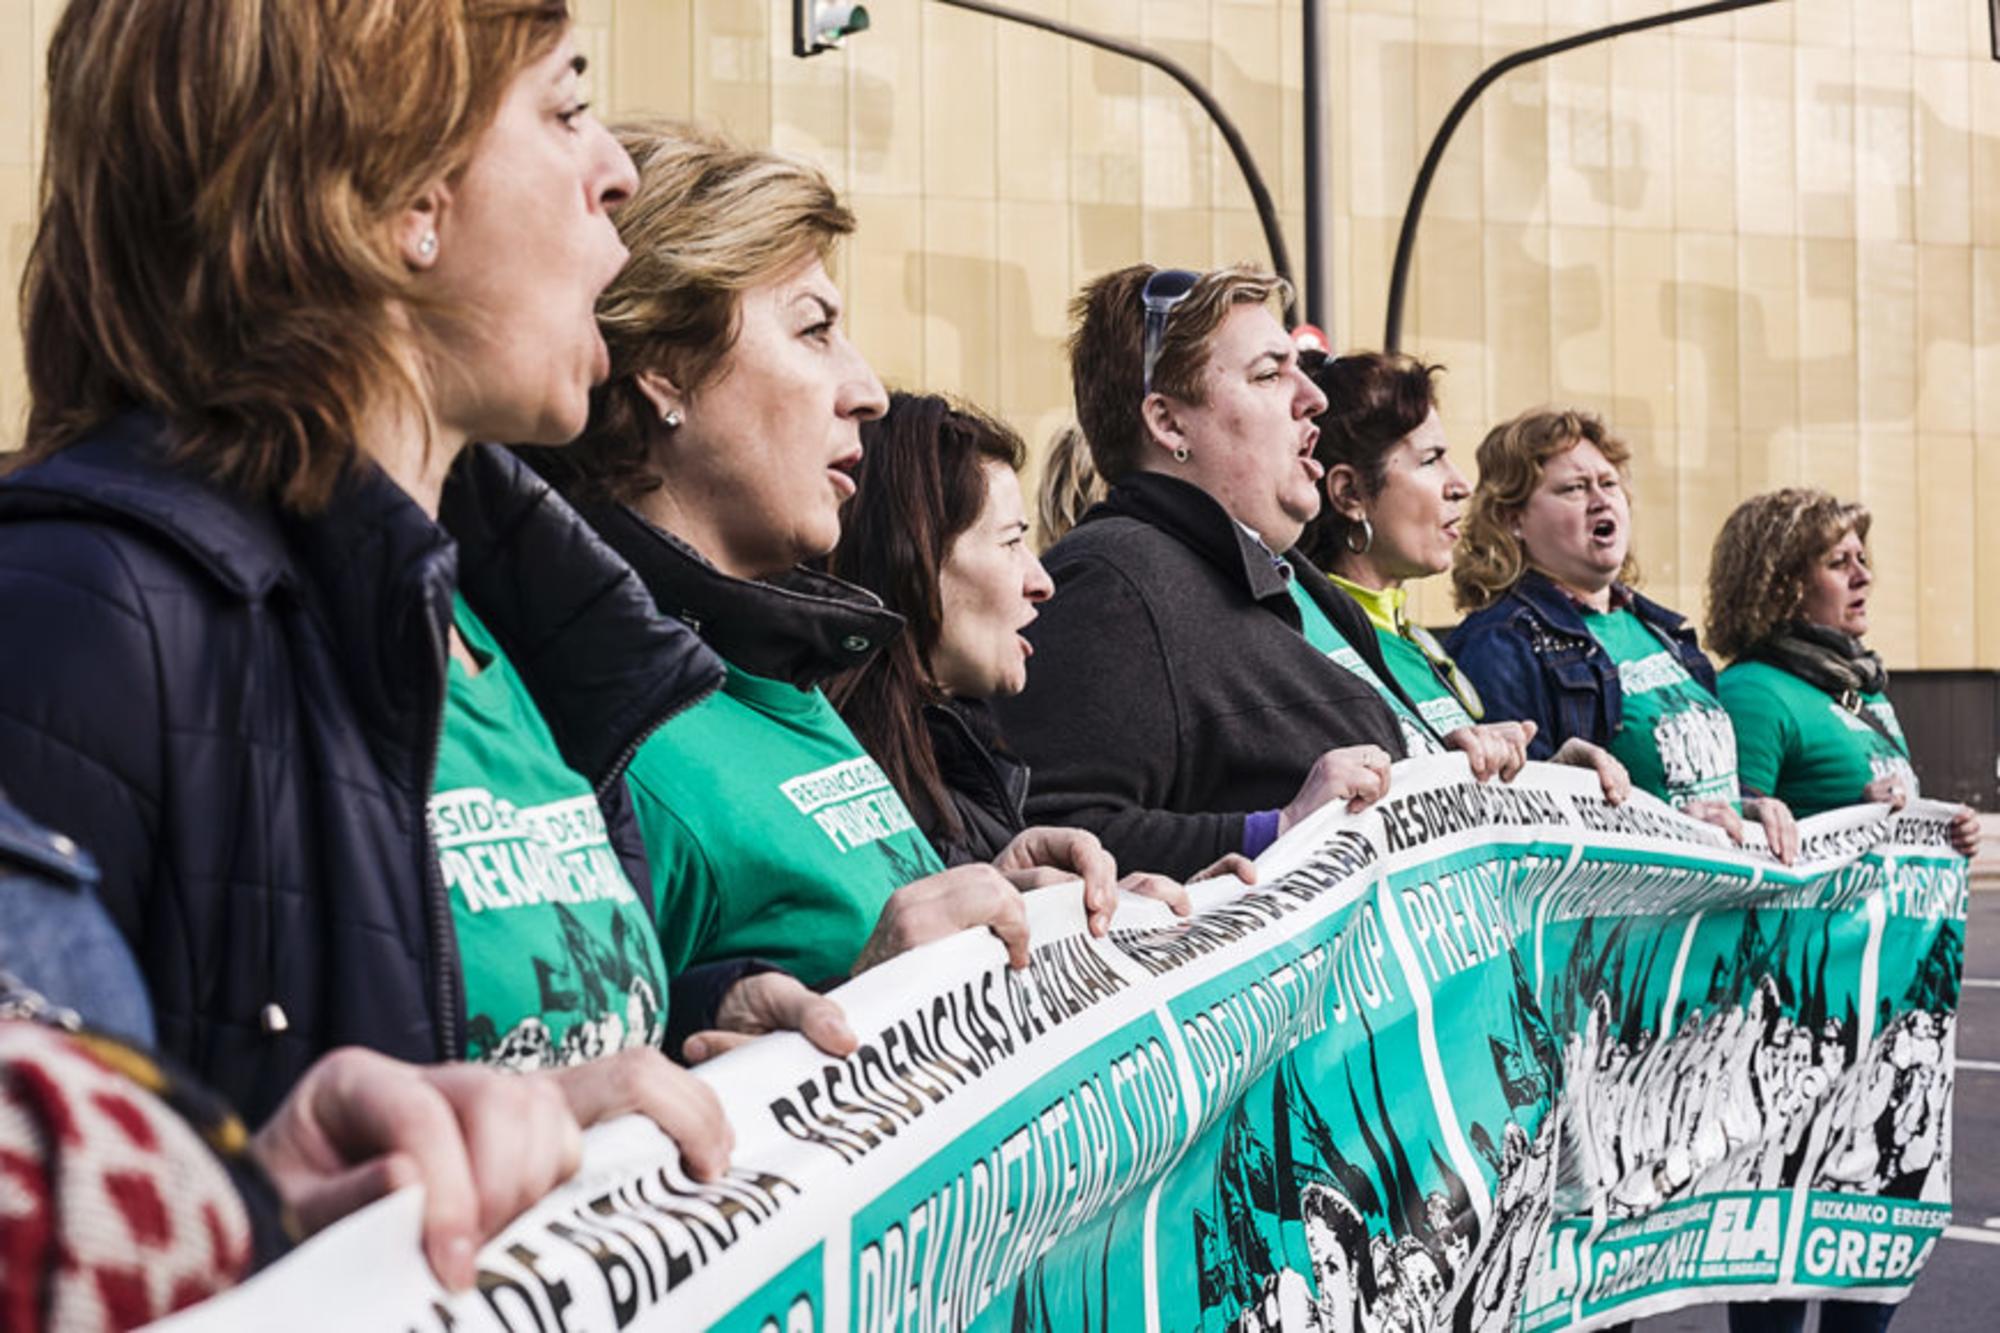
column 1823, row 657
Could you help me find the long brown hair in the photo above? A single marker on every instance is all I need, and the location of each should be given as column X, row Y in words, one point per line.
column 920, row 485
column 220, row 183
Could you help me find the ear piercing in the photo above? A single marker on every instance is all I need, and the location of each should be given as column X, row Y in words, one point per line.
column 428, row 246
column 671, row 419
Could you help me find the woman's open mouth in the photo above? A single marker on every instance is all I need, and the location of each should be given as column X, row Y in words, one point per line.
column 840, row 472
column 1604, row 531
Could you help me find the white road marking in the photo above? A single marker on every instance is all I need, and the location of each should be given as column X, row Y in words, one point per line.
column 1972, row 1233
column 1981, row 983
column 1981, row 1066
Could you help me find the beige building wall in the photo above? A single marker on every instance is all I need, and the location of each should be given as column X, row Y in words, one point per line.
column 1766, row 245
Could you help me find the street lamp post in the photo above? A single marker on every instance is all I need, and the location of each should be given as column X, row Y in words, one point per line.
column 1406, row 241
column 1260, row 194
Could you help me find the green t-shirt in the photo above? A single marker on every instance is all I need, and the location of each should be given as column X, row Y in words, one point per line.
column 1674, row 738
column 770, row 832
column 1324, row 635
column 1443, row 710
column 561, row 964
column 1795, row 741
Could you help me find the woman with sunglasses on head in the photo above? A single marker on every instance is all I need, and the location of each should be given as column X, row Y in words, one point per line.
column 338, row 698
column 716, row 461
column 1558, row 637
column 1394, row 502
column 1177, row 706
column 1788, row 593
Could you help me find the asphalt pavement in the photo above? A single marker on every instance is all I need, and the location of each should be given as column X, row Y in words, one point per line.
column 1959, row 1291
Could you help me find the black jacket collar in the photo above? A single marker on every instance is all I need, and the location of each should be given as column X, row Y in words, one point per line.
column 987, row 784
column 1197, row 520
column 972, row 757
column 802, row 628
column 603, row 665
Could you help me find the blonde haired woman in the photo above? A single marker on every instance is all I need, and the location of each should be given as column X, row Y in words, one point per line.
column 717, row 460
column 1069, row 486
column 1558, row 637
column 1788, row 593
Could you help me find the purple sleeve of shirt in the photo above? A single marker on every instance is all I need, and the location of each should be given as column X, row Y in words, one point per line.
column 1260, row 830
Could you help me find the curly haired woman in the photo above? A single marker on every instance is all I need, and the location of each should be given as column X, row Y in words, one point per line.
column 1788, row 590
column 1557, row 636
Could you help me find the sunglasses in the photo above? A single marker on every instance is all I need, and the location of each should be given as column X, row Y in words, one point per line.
column 1447, row 670
column 1167, row 288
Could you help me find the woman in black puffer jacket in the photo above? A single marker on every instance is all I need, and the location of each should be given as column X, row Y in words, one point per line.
column 240, row 566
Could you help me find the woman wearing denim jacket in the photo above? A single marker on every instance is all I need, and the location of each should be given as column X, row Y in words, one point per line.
column 1557, row 636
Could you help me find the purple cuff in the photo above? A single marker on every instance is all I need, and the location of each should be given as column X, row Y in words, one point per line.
column 1260, row 830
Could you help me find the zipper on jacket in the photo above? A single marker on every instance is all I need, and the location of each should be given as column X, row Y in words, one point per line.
column 625, row 755
column 446, row 986
column 991, row 767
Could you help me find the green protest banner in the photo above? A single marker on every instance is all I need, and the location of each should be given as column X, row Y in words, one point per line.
column 1482, row 1057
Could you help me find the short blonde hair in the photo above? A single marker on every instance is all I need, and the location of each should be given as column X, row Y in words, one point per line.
column 220, row 184
column 1490, row 559
column 1766, row 550
column 1107, row 352
column 709, row 221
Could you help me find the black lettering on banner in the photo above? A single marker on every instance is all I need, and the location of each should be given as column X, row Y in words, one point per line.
column 1441, row 812
column 1332, row 867
column 620, row 1281
column 1063, row 978
column 554, row 1291
column 494, row 1286
column 940, row 1264
column 1600, row 816
column 645, row 1237
column 988, row 1010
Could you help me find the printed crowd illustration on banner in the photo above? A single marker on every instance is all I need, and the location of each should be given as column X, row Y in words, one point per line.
column 1481, row 1058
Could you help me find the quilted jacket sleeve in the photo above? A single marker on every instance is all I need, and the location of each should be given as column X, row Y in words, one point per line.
column 80, row 715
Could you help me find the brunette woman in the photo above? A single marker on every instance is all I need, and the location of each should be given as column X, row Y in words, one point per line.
column 339, row 699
